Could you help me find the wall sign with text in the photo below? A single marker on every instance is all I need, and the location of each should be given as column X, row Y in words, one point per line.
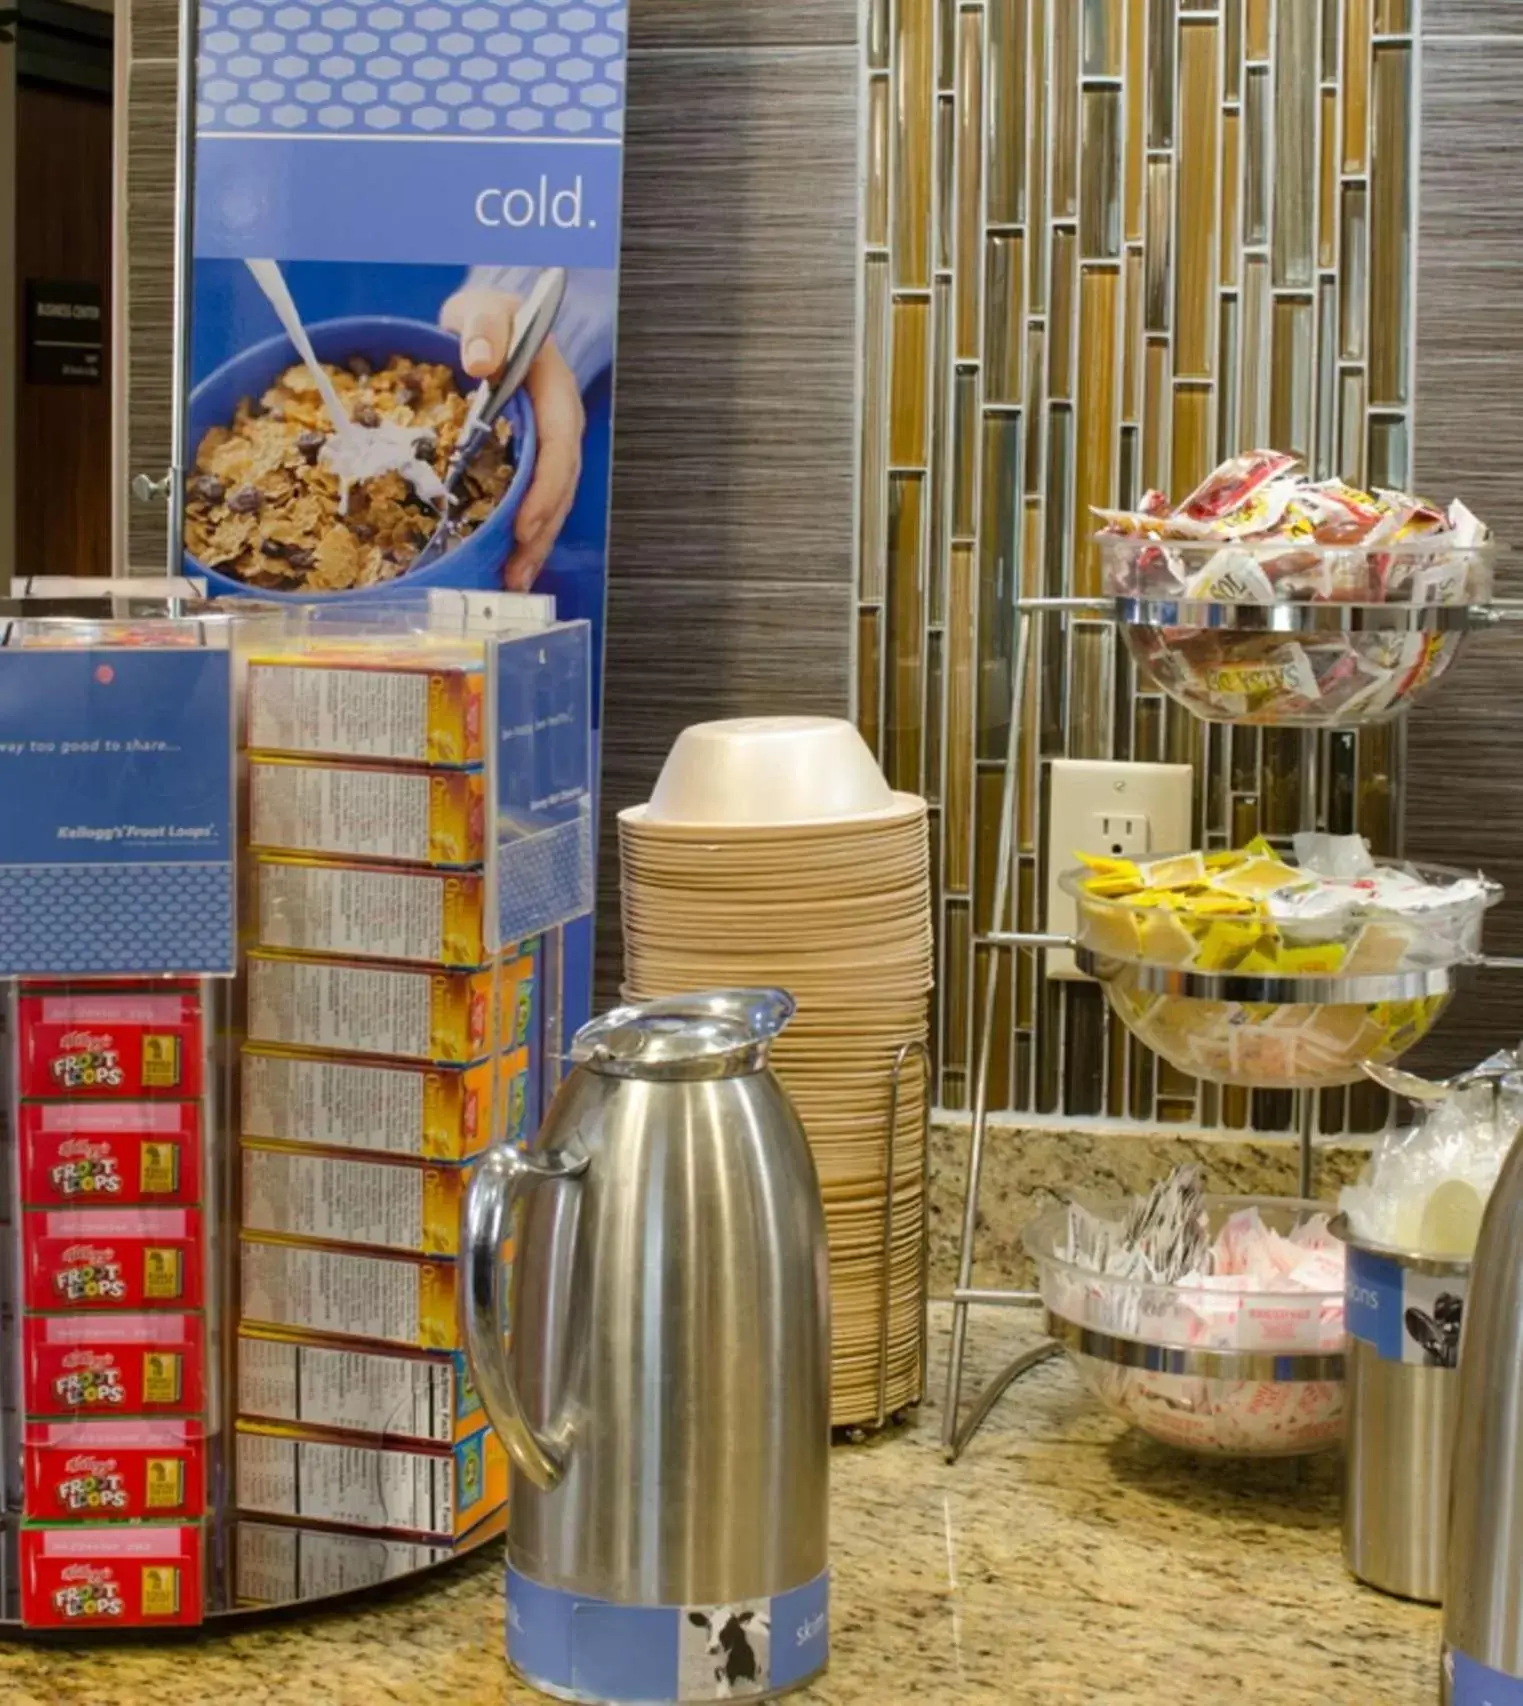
column 65, row 332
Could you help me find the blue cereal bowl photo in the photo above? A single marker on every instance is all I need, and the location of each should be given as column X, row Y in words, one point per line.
column 477, row 561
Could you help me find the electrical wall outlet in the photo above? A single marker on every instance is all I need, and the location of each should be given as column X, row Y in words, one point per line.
column 1122, row 811
column 1124, row 835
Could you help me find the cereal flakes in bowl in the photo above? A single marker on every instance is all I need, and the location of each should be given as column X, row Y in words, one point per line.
column 263, row 513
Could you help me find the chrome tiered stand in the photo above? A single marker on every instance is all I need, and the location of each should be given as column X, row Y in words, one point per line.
column 958, row 1429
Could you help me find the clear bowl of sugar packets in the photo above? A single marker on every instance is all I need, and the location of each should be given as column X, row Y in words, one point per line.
column 1213, row 1324
column 1266, row 598
column 1253, row 968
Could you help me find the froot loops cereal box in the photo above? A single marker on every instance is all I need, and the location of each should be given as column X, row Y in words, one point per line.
column 123, row 1154
column 118, row 1576
column 116, row 1043
column 113, row 1365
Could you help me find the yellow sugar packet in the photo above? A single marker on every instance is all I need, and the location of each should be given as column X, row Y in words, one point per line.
column 1377, row 949
column 1110, row 931
column 1320, row 959
column 1176, row 872
column 1110, row 888
column 1165, row 941
column 1259, row 877
column 1105, row 866
column 1222, row 903
column 1224, row 945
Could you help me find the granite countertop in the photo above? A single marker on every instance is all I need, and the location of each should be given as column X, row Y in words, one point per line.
column 1064, row 1562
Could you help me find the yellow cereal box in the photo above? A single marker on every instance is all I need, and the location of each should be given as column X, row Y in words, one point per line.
column 350, row 1294
column 440, row 1016
column 279, row 1562
column 341, row 1199
column 422, row 1395
column 428, row 1491
column 370, row 701
column 358, row 811
column 310, row 906
column 429, row 1113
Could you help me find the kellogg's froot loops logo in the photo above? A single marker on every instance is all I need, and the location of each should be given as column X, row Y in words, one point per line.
column 83, row 1386
column 96, row 1595
column 92, row 1486
column 90, row 1176
column 91, row 1063
column 90, row 1275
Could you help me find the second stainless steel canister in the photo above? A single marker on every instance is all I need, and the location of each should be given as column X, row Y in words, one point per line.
column 1483, row 1597
column 1403, row 1316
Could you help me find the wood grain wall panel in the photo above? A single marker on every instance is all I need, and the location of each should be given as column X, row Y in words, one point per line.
column 736, row 376
column 743, row 23
column 155, row 28
column 150, row 293
column 1472, row 17
column 735, row 436
column 1465, row 776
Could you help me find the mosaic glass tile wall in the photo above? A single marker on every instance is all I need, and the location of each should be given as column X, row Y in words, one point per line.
column 1106, row 244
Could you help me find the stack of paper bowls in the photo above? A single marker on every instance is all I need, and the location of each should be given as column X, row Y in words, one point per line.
column 772, row 852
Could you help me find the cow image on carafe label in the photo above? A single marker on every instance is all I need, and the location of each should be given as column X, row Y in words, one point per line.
column 657, row 1361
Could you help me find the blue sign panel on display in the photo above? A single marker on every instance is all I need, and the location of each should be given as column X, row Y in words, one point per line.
column 116, row 835
column 544, row 781
column 536, row 204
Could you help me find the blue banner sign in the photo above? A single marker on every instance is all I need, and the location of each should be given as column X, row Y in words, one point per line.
column 116, row 829
column 545, row 870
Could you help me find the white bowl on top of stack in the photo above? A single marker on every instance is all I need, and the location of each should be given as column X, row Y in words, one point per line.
column 772, row 852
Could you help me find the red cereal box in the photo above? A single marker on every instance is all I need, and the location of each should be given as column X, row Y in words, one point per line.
column 111, row 1043
column 112, row 1258
column 105, row 1471
column 124, row 1576
column 113, row 1365
column 123, row 1153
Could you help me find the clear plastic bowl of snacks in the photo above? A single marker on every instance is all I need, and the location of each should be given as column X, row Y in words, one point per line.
column 1315, row 1044
column 1209, row 1367
column 1247, row 968
column 1295, row 634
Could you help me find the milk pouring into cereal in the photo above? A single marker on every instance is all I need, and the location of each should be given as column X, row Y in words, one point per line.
column 354, row 452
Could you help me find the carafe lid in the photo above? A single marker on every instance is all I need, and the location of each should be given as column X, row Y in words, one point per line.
column 719, row 1033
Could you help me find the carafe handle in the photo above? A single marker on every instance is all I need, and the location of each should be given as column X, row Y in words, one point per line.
column 502, row 1177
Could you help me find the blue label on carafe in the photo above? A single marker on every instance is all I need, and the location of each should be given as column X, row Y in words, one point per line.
column 1473, row 1684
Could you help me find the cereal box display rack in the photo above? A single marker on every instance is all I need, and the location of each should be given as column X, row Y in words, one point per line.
column 1265, row 599
column 281, row 942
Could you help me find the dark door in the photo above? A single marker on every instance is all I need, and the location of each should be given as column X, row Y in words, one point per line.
column 63, row 257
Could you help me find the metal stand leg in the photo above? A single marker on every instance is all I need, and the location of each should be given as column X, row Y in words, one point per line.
column 906, row 1053
column 1308, row 1109
column 953, row 1436
column 995, row 1390
column 1308, row 1105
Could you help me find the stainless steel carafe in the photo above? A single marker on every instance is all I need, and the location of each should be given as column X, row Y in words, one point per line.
column 661, row 1371
column 1483, row 1598
column 1403, row 1314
